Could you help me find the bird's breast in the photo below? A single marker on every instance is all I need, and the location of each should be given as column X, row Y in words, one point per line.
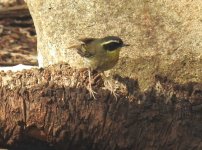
column 103, row 62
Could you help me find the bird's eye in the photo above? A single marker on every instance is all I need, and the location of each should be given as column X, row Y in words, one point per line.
column 110, row 46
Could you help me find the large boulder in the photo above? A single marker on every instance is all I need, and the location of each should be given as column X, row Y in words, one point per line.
column 165, row 35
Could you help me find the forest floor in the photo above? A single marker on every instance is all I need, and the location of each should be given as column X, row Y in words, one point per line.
column 17, row 37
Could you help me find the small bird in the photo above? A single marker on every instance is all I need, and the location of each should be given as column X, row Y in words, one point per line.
column 99, row 54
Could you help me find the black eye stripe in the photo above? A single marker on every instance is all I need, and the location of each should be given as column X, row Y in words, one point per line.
column 111, row 46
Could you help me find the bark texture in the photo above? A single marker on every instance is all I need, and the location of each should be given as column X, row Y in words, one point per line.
column 165, row 35
column 51, row 108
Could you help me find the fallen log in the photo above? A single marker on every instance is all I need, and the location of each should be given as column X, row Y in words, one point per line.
column 51, row 109
column 18, row 11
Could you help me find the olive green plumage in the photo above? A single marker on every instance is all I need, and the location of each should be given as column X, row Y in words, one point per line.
column 100, row 54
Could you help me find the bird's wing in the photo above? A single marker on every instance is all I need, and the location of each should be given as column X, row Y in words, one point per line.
column 82, row 51
column 84, row 41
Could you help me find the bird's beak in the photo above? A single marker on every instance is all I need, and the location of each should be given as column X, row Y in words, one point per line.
column 124, row 45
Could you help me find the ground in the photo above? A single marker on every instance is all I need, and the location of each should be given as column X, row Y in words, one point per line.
column 17, row 40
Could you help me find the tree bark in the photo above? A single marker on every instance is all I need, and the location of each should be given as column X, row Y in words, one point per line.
column 51, row 109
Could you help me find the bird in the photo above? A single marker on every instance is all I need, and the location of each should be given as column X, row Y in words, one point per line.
column 100, row 54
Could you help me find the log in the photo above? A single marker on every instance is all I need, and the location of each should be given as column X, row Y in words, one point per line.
column 18, row 11
column 51, row 109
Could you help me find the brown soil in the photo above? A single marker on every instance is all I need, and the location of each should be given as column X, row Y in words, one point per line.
column 17, row 40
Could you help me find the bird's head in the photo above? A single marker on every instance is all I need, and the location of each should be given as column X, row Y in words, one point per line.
column 111, row 43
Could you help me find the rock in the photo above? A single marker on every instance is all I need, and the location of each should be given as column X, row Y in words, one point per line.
column 165, row 36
